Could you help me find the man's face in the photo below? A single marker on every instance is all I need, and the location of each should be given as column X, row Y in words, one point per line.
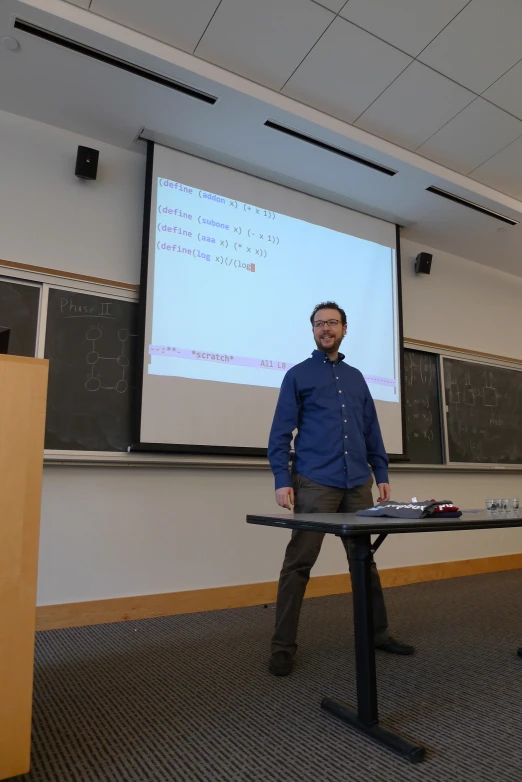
column 328, row 330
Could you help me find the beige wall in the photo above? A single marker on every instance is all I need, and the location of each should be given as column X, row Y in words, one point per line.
column 114, row 532
column 50, row 218
column 461, row 303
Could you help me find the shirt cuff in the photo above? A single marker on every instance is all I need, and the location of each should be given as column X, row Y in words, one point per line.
column 381, row 475
column 282, row 479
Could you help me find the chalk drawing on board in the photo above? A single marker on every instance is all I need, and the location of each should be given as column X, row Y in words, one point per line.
column 94, row 381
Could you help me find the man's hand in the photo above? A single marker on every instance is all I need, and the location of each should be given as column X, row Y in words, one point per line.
column 384, row 492
column 285, row 497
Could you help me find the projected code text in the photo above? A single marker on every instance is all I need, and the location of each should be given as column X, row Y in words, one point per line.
column 202, row 244
column 244, row 239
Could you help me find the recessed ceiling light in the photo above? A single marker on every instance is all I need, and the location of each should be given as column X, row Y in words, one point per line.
column 10, row 43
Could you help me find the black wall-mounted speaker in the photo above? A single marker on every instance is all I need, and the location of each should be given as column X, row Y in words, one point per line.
column 87, row 163
column 423, row 263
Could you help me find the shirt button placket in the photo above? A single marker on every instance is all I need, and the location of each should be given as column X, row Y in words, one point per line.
column 345, row 429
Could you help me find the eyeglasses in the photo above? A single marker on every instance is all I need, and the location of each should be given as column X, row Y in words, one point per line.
column 318, row 324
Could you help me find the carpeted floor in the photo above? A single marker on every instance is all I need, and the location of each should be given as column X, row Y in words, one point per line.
column 189, row 699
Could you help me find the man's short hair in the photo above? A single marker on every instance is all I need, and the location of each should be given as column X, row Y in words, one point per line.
column 328, row 305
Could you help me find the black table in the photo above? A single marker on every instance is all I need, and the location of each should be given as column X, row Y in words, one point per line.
column 360, row 529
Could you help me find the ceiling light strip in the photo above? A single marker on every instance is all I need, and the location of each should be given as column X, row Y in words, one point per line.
column 470, row 205
column 108, row 59
column 329, row 148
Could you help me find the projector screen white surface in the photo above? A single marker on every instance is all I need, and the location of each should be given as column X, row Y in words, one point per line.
column 236, row 265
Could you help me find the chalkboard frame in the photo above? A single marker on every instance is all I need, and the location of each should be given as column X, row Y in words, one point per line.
column 49, row 278
column 476, row 357
column 90, row 344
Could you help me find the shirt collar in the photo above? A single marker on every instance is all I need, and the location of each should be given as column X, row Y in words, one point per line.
column 318, row 354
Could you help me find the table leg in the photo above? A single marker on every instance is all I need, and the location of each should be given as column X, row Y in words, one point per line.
column 366, row 718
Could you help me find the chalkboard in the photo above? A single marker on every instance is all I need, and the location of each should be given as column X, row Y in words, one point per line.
column 484, row 412
column 19, row 310
column 90, row 342
column 422, row 403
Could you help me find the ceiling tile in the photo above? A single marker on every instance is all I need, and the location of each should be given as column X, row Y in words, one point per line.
column 414, row 107
column 333, row 5
column 479, row 45
column 80, row 3
column 346, row 70
column 473, row 136
column 264, row 40
column 507, row 91
column 408, row 24
column 175, row 22
column 503, row 171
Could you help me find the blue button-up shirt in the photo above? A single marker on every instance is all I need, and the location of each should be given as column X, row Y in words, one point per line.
column 330, row 405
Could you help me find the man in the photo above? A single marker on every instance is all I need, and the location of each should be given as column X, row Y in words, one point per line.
column 330, row 405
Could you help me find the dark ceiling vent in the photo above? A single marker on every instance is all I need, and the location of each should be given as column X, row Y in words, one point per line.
column 470, row 205
column 108, row 59
column 329, row 148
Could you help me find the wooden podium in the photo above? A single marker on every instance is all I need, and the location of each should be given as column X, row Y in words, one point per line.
column 23, row 391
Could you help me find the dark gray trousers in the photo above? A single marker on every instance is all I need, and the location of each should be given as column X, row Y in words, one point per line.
column 303, row 550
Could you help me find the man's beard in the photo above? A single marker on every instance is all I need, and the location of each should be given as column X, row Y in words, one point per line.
column 332, row 347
